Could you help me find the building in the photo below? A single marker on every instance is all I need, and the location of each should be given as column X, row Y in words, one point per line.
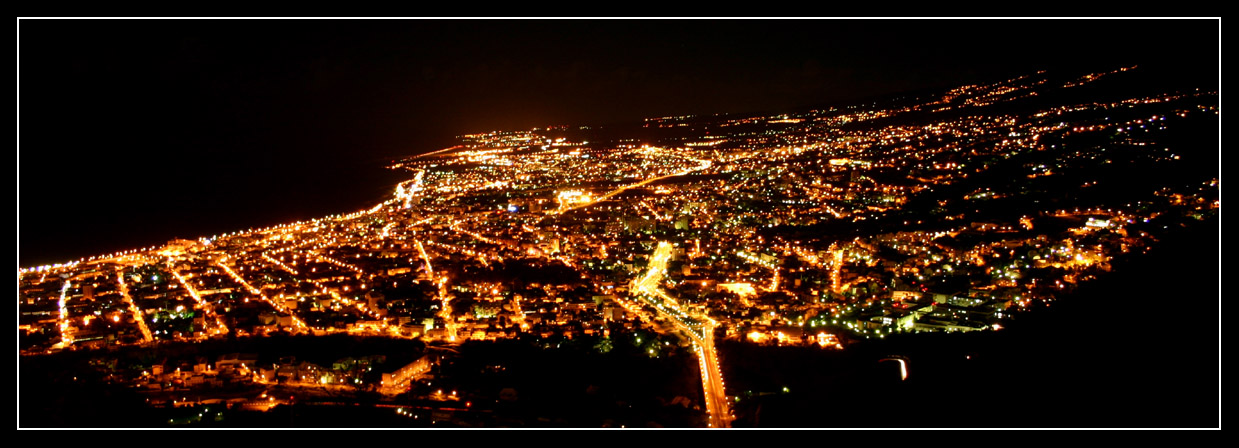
column 397, row 381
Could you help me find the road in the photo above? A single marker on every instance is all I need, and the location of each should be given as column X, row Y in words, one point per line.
column 699, row 328
column 298, row 324
column 712, row 379
column 202, row 305
column 66, row 340
column 147, row 337
column 704, row 164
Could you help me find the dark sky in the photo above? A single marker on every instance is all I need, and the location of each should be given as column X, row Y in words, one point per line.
column 132, row 132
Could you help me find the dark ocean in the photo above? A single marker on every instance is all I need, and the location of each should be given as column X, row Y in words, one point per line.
column 96, row 204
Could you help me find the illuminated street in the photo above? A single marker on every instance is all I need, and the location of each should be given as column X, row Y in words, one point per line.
column 701, row 331
column 589, row 223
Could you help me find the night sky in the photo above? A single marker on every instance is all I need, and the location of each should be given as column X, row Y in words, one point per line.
column 132, row 132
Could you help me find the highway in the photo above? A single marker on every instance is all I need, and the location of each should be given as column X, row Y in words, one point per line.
column 699, row 328
column 704, row 164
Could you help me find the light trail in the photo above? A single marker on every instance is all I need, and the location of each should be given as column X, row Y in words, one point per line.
column 903, row 366
column 703, row 165
column 703, row 338
column 426, row 258
column 66, row 339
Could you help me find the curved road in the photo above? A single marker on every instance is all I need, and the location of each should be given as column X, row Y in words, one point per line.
column 702, row 335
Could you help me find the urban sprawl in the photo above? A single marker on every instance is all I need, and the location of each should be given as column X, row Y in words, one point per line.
column 950, row 212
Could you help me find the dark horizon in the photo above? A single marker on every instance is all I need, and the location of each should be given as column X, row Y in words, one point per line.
column 138, row 131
